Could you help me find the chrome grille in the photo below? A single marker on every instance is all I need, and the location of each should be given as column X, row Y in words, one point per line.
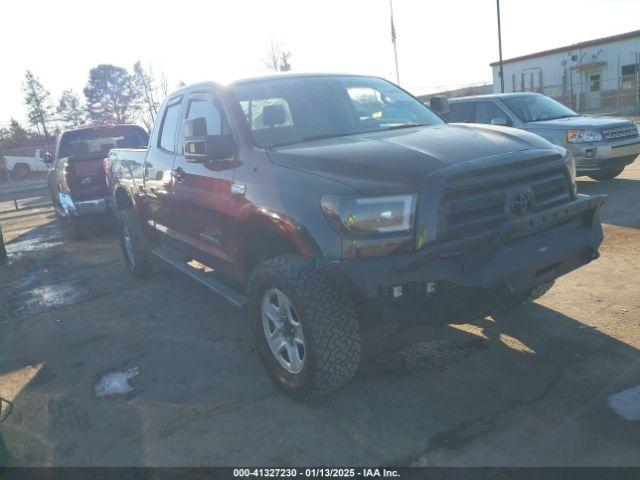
column 620, row 131
column 476, row 201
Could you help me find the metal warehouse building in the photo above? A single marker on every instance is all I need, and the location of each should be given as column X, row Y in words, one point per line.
column 595, row 76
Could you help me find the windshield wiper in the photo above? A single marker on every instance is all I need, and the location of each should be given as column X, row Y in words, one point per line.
column 406, row 125
column 324, row 136
column 568, row 115
column 555, row 118
column 311, row 138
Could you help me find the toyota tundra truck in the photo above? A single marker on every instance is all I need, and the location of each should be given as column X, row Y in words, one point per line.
column 326, row 205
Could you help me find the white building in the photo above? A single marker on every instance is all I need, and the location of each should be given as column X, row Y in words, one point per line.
column 597, row 75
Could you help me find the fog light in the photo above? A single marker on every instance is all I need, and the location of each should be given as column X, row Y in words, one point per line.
column 396, row 291
column 590, row 152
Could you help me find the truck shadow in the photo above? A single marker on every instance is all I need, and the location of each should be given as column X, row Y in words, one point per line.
column 621, row 192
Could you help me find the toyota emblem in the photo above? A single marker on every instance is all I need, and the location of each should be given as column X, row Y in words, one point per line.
column 521, row 202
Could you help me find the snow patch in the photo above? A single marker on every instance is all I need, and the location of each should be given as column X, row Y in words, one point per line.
column 626, row 403
column 30, row 245
column 116, row 383
column 51, row 296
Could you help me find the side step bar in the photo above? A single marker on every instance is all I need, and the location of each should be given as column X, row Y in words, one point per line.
column 207, row 279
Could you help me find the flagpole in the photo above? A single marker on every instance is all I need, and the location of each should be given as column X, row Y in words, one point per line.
column 395, row 47
column 500, row 48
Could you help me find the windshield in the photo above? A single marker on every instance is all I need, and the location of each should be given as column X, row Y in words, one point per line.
column 101, row 140
column 534, row 108
column 283, row 111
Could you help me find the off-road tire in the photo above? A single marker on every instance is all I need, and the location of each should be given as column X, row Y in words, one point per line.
column 611, row 174
column 329, row 323
column 141, row 266
column 539, row 291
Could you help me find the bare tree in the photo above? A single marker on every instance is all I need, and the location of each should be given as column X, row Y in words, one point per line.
column 146, row 85
column 164, row 84
column 277, row 57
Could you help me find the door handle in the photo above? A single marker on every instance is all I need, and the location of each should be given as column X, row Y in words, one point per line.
column 179, row 174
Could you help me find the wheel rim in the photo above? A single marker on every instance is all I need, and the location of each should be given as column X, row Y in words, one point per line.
column 128, row 246
column 283, row 331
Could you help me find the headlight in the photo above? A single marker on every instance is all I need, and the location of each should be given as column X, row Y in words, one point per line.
column 583, row 136
column 368, row 216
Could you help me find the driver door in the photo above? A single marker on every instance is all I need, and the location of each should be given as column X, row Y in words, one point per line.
column 203, row 203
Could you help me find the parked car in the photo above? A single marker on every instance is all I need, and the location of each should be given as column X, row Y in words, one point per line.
column 601, row 146
column 76, row 175
column 328, row 205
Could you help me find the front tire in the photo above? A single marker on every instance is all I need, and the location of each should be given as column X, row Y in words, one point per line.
column 609, row 175
column 134, row 245
column 306, row 330
column 539, row 291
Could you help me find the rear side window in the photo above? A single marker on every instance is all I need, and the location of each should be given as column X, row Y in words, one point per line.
column 487, row 111
column 462, row 112
column 199, row 108
column 167, row 140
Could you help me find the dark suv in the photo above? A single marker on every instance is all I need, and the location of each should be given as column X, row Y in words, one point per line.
column 327, row 204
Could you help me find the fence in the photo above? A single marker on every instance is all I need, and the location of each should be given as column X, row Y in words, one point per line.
column 617, row 95
column 23, row 178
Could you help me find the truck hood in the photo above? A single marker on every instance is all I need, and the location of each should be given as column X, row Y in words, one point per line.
column 581, row 121
column 398, row 159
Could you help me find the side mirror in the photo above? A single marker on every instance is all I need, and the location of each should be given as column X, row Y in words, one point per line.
column 504, row 122
column 440, row 105
column 47, row 157
column 200, row 147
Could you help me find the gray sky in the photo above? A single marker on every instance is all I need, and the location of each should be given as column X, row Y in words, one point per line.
column 441, row 44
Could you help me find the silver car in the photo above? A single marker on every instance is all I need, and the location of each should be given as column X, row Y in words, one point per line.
column 602, row 146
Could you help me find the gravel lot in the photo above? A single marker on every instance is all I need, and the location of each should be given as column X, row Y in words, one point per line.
column 105, row 370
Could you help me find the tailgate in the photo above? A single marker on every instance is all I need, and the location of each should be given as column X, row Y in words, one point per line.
column 86, row 177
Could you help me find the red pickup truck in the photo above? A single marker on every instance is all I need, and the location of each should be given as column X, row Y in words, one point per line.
column 328, row 204
column 76, row 175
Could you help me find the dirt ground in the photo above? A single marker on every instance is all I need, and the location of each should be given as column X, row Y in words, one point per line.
column 551, row 383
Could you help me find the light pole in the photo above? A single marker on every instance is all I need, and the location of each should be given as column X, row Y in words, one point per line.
column 500, row 49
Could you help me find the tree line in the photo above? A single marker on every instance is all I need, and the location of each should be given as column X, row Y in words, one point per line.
column 112, row 95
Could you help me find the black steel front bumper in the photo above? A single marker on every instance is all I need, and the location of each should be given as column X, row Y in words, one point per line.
column 454, row 281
